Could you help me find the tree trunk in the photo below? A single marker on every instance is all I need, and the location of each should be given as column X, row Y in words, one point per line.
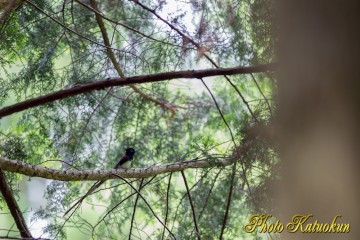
column 319, row 113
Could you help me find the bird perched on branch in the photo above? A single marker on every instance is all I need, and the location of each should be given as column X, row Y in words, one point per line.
column 123, row 162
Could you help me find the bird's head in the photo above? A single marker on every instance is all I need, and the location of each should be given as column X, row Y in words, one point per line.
column 130, row 152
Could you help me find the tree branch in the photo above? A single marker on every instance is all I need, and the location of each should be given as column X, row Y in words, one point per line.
column 121, row 202
column 167, row 205
column 110, row 82
column 146, row 202
column 13, row 207
column 200, row 50
column 65, row 27
column 262, row 94
column 192, row 206
column 111, row 55
column 94, row 175
column 134, row 210
column 122, row 24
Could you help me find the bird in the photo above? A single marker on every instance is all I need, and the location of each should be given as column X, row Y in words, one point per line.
column 123, row 162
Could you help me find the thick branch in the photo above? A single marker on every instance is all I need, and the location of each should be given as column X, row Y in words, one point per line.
column 110, row 82
column 93, row 175
column 13, row 207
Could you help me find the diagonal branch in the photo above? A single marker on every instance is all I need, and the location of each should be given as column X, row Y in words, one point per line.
column 64, row 26
column 232, row 176
column 110, row 82
column 192, row 206
column 134, row 210
column 13, row 207
column 106, row 39
column 111, row 55
column 262, row 94
column 146, row 202
column 121, row 24
column 208, row 195
column 121, row 202
column 239, row 153
column 167, row 205
column 200, row 49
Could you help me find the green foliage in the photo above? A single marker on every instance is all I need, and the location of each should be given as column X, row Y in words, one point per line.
column 13, row 148
column 91, row 130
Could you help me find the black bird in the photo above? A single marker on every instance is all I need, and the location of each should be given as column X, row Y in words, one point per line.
column 123, row 162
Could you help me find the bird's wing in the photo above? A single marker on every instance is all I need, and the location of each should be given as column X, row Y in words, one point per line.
column 123, row 160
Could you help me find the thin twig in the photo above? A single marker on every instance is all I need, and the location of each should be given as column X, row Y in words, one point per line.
column 200, row 49
column 121, row 24
column 192, row 206
column 184, row 195
column 262, row 93
column 121, row 202
column 232, row 177
column 64, row 26
column 134, row 211
column 167, row 205
column 116, row 65
column 146, row 204
column 208, row 195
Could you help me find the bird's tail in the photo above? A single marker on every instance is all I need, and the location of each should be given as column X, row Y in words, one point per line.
column 78, row 202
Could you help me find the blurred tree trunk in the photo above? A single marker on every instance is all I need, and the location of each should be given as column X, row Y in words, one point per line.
column 319, row 112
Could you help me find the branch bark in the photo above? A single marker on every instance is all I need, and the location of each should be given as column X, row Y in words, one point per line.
column 13, row 207
column 110, row 82
column 93, row 175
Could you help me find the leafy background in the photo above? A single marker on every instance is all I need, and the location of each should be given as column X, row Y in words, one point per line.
column 90, row 131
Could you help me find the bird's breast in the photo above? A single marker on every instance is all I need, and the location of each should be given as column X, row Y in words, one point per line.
column 127, row 164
